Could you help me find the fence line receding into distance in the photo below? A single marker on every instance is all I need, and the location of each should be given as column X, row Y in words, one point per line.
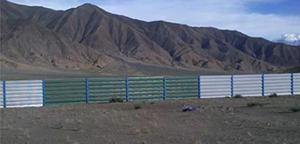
column 36, row 93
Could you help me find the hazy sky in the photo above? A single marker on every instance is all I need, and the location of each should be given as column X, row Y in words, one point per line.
column 260, row 18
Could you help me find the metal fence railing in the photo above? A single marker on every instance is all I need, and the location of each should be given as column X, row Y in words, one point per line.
column 181, row 87
column 103, row 89
column 145, row 88
column 25, row 93
column 296, row 83
column 216, row 86
column 36, row 93
column 2, row 97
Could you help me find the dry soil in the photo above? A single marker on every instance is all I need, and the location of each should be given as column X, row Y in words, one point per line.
column 216, row 121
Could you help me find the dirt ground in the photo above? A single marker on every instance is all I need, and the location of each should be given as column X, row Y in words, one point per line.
column 216, row 121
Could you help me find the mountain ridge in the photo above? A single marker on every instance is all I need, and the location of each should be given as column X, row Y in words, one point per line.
column 88, row 38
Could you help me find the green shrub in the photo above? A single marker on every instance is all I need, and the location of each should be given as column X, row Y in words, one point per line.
column 137, row 106
column 116, row 100
column 273, row 95
column 253, row 104
column 238, row 96
column 295, row 109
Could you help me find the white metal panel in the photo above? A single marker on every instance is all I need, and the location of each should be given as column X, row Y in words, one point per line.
column 247, row 85
column 1, row 95
column 11, row 86
column 18, row 82
column 297, row 83
column 27, row 93
column 215, row 86
column 278, row 83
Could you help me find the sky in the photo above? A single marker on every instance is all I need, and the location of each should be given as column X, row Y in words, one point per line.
column 258, row 18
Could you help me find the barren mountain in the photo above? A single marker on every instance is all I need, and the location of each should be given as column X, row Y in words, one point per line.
column 89, row 39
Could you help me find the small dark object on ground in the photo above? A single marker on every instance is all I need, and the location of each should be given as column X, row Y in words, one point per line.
column 188, row 108
column 253, row 104
column 295, row 109
column 152, row 102
column 273, row 95
column 238, row 96
column 116, row 100
column 137, row 107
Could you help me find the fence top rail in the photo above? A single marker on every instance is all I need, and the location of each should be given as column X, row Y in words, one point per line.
column 244, row 75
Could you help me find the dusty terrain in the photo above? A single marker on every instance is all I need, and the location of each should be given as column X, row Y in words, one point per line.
column 229, row 120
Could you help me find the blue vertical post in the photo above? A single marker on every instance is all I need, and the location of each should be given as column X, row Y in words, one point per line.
column 44, row 92
column 87, row 90
column 199, row 87
column 292, row 84
column 4, row 93
column 263, row 84
column 165, row 89
column 231, row 86
column 127, row 89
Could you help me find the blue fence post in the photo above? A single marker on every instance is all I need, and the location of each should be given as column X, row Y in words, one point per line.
column 292, row 84
column 44, row 92
column 127, row 89
column 199, row 87
column 231, row 85
column 165, row 89
column 263, row 84
column 87, row 90
column 4, row 93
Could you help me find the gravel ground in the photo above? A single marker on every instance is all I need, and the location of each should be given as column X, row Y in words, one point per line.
column 261, row 120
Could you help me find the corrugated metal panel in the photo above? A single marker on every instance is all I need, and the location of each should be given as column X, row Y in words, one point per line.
column 102, row 90
column 181, row 87
column 65, row 91
column 297, row 83
column 145, row 88
column 1, row 95
column 247, row 85
column 215, row 86
column 278, row 83
column 30, row 92
column 26, row 93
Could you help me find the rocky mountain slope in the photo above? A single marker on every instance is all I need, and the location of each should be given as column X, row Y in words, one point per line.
column 89, row 39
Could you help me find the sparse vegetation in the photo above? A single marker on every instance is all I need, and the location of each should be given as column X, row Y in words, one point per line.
column 293, row 70
column 254, row 104
column 116, row 100
column 157, row 123
column 238, row 96
column 273, row 95
column 294, row 109
column 137, row 106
